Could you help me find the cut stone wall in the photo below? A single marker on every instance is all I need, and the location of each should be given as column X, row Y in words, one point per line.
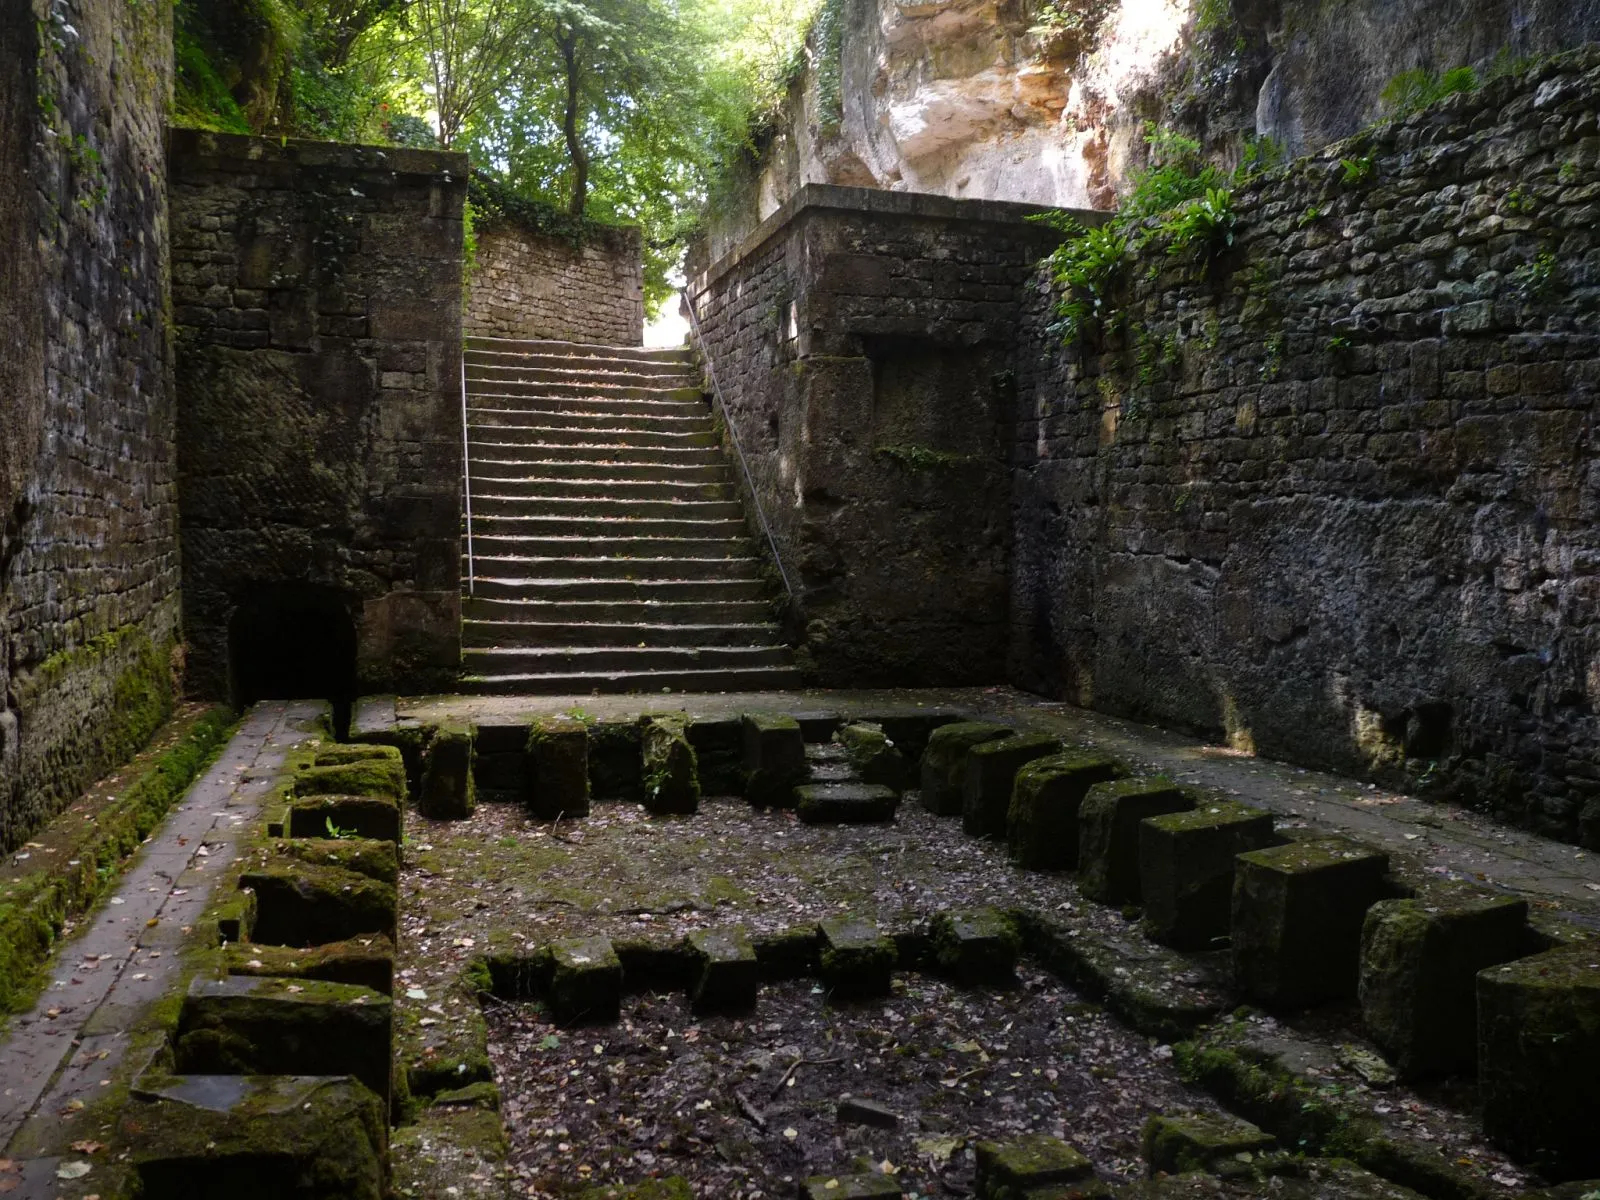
column 317, row 299
column 533, row 286
column 863, row 342
column 88, row 517
column 1335, row 498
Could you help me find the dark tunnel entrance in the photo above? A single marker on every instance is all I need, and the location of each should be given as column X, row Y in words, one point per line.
column 294, row 642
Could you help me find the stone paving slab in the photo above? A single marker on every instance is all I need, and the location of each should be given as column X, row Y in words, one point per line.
column 1451, row 841
column 123, row 959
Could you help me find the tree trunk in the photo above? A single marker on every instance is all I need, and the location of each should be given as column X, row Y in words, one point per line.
column 570, row 126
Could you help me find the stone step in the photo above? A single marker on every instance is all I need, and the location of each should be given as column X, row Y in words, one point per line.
column 499, row 545
column 756, row 679
column 499, row 402
column 479, row 384
column 495, row 587
column 538, row 378
column 680, row 418
column 605, row 507
column 572, row 350
column 556, row 367
column 505, row 566
column 589, row 660
column 595, row 488
column 533, row 634
column 583, row 525
column 538, row 437
column 601, row 452
column 635, row 612
column 606, row 472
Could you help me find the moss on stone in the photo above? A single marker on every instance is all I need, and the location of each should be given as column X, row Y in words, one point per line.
column 976, row 946
column 449, row 791
column 873, row 757
column 855, row 960
column 1186, row 869
column 674, row 1187
column 774, row 758
column 301, row 904
column 1010, row 1170
column 356, row 752
column 585, row 981
column 1108, row 833
column 991, row 772
column 375, row 858
column 368, row 777
column 558, row 768
column 1042, row 819
column 342, row 817
column 943, row 767
column 669, row 769
column 366, row 962
column 1193, row 1143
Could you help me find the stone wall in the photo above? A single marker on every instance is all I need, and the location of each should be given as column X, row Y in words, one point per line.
column 88, row 518
column 1335, row 497
column 533, row 285
column 862, row 342
column 317, row 298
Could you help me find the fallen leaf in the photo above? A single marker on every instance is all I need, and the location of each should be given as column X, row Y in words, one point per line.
column 73, row 1170
column 87, row 1147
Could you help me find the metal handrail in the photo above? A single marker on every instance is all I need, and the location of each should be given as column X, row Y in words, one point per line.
column 738, row 448
column 466, row 472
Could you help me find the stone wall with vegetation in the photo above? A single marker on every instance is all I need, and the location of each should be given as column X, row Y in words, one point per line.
column 862, row 342
column 534, row 285
column 317, row 298
column 1331, row 491
column 88, row 516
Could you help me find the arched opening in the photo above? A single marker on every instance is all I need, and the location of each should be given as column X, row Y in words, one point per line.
column 294, row 642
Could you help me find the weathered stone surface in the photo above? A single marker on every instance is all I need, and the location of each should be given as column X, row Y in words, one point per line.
column 1538, row 1058
column 1419, row 964
column 367, row 777
column 1009, row 1170
column 850, row 1187
column 846, row 803
column 669, row 772
column 719, row 748
column 371, row 817
column 529, row 284
column 789, row 954
column 306, row 905
column 585, row 981
column 977, row 946
column 854, row 1110
column 365, row 962
column 873, row 756
column 558, row 768
column 1194, row 1142
column 1186, row 864
column 375, row 858
column 1108, row 833
column 252, row 1025
column 1297, row 918
column 991, row 772
column 944, row 763
column 910, row 731
column 856, row 959
column 1042, row 821
column 449, row 791
column 774, row 759
column 356, row 752
column 727, row 975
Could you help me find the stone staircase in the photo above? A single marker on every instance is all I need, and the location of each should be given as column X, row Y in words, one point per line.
column 610, row 549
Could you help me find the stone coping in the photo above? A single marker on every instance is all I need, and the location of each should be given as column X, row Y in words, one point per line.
column 197, row 145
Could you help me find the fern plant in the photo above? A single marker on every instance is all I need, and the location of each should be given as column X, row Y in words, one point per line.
column 1204, row 227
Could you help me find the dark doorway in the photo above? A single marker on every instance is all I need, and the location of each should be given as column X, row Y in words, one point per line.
column 294, row 642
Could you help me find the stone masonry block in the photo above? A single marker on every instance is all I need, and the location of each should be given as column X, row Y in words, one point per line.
column 1192, row 1143
column 991, row 773
column 866, row 1186
column 1186, row 862
column 302, row 904
column 846, row 803
column 1539, row 1057
column 1011, row 1170
column 856, row 959
column 977, row 946
column 558, row 768
column 1108, row 833
column 774, row 759
column 365, row 961
column 1420, row 960
column 585, row 981
column 448, row 789
column 375, row 817
column 873, row 756
column 669, row 771
column 1297, row 917
column 367, row 777
column 1042, row 822
column 944, row 763
column 726, row 972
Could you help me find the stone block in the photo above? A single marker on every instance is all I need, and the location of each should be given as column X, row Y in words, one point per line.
column 1108, row 833
column 448, row 791
column 856, row 959
column 304, row 905
column 1186, row 863
column 726, row 973
column 910, row 732
column 585, row 981
column 1539, row 1057
column 1010, row 1170
column 364, row 962
column 865, row 1186
column 1042, row 820
column 977, row 946
column 373, row 857
column 846, row 803
column 1420, row 960
column 1192, row 1143
column 789, row 953
column 558, row 768
column 774, row 759
column 944, row 763
column 669, row 772
column 719, row 748
column 316, row 1137
column 257, row 1025
column 874, row 758
column 991, row 772
column 368, row 777
column 355, row 752
column 1297, row 918
column 855, row 1110
column 673, row 1187
column 368, row 817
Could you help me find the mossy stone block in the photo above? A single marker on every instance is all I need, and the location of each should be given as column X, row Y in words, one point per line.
column 558, row 768
column 657, row 963
column 977, row 946
column 874, row 758
column 846, row 803
column 374, row 817
column 944, row 763
column 910, row 732
column 1042, row 820
column 673, row 1187
column 257, row 1025
column 1539, row 1058
column 727, row 975
column 373, row 857
column 300, row 904
column 366, row 777
column 789, row 953
column 774, row 759
column 449, row 790
column 1009, row 1170
column 1420, row 960
column 585, row 981
column 719, row 748
column 863, row 1186
column 1186, row 863
column 991, row 772
column 314, row 1138
column 856, row 959
column 364, row 962
column 1108, row 833
column 354, row 752
column 1194, row 1142
column 669, row 770
column 1297, row 917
